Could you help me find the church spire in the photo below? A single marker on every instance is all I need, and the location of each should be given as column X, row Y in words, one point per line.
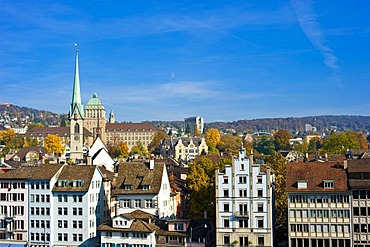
column 76, row 104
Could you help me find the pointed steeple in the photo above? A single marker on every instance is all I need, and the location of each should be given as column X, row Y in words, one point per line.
column 76, row 104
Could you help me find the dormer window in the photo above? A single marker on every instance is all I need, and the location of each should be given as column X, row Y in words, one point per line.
column 328, row 184
column 77, row 183
column 302, row 184
column 127, row 187
column 145, row 187
column 62, row 183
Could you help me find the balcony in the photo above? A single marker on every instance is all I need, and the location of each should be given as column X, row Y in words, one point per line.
column 242, row 214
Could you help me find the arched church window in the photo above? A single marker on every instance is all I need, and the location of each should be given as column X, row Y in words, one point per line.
column 77, row 128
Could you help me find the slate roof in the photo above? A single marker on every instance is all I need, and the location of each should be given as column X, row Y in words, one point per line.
column 130, row 127
column 58, row 131
column 315, row 173
column 361, row 165
column 136, row 226
column 137, row 174
column 76, row 172
column 42, row 172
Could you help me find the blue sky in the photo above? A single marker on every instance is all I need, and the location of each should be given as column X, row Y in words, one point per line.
column 167, row 60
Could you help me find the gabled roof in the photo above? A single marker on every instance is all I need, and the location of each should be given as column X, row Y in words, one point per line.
column 315, row 173
column 139, row 214
column 22, row 153
column 72, row 173
column 184, row 140
column 41, row 172
column 96, row 146
column 361, row 165
column 137, row 174
column 136, row 226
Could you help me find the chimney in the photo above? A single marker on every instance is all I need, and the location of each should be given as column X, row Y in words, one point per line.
column 345, row 164
column 151, row 164
column 1, row 160
column 89, row 160
column 205, row 216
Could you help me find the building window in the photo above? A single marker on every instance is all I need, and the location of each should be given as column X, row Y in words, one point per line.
column 260, row 222
column 260, row 207
column 243, row 193
column 259, row 179
column 226, row 179
column 179, row 226
column 243, row 223
column 259, row 192
column 242, row 179
column 242, row 167
column 226, row 239
column 261, row 240
column 226, row 222
column 226, row 207
column 226, row 193
column 137, row 203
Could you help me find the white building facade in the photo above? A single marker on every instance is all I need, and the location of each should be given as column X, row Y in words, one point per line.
column 244, row 203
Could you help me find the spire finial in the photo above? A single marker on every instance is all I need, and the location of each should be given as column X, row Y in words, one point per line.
column 76, row 45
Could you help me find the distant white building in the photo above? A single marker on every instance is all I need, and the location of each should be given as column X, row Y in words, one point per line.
column 184, row 148
column 192, row 121
column 244, row 203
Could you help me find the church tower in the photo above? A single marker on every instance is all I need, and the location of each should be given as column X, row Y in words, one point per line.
column 76, row 118
column 111, row 117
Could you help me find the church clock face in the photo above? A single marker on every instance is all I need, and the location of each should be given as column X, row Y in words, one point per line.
column 77, row 138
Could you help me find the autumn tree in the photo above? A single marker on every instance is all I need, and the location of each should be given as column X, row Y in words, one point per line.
column 278, row 163
column 339, row 143
column 196, row 130
column 139, row 149
column 30, row 142
column 212, row 139
column 201, row 182
column 122, row 150
column 229, row 144
column 158, row 137
column 34, row 125
column 281, row 138
column 54, row 144
column 300, row 147
column 11, row 141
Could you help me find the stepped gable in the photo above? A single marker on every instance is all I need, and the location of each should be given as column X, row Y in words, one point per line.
column 72, row 173
column 315, row 173
column 137, row 174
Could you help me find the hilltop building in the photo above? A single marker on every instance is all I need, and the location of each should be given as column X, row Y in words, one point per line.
column 192, row 121
column 244, row 203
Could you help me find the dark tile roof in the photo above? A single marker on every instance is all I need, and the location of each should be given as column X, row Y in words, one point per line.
column 59, row 131
column 139, row 214
column 136, row 226
column 75, row 172
column 107, row 175
column 41, row 172
column 24, row 151
column 130, row 127
column 359, row 173
column 315, row 173
column 137, row 174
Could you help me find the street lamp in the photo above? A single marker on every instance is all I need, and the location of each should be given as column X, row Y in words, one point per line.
column 191, row 232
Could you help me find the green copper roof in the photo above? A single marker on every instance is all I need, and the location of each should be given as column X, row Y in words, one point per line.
column 94, row 101
column 76, row 103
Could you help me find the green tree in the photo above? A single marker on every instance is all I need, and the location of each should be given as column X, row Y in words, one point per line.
column 300, row 147
column 282, row 139
column 31, row 142
column 201, row 182
column 63, row 123
column 158, row 137
column 265, row 145
column 278, row 163
column 188, row 130
column 339, row 143
column 314, row 145
column 54, row 144
column 229, row 144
